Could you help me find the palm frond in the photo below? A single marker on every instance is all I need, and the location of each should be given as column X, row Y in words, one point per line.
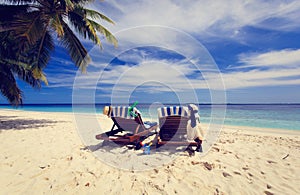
column 96, row 15
column 8, row 86
column 32, row 76
column 33, row 27
column 56, row 25
column 82, row 25
column 38, row 55
column 25, row 28
column 6, row 45
column 88, row 28
column 107, row 34
column 46, row 46
column 39, row 75
column 21, row 2
column 76, row 50
column 15, row 62
column 82, row 2
column 10, row 50
column 26, row 75
column 92, row 33
column 29, row 62
column 69, row 4
column 8, row 15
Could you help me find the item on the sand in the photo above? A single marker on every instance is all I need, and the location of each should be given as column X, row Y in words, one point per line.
column 147, row 148
column 131, row 110
column 285, row 156
column 126, row 128
column 173, row 126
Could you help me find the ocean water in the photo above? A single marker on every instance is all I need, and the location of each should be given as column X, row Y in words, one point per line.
column 281, row 116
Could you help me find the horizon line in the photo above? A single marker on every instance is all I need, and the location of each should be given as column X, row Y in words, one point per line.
column 145, row 103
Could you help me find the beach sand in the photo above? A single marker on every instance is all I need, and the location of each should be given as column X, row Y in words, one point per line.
column 44, row 153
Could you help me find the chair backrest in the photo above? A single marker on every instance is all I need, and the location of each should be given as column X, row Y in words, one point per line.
column 173, row 122
column 120, row 111
column 173, row 111
column 124, row 120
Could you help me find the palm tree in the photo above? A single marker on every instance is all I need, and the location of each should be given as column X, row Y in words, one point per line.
column 9, row 67
column 27, row 32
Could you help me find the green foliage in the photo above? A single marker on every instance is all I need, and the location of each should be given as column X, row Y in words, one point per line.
column 27, row 28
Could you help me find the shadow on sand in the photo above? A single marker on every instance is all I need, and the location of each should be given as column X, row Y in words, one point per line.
column 16, row 123
column 166, row 149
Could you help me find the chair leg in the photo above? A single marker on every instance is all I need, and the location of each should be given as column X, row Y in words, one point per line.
column 199, row 145
column 112, row 128
column 138, row 145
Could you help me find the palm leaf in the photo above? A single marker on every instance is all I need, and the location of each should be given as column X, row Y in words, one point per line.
column 26, row 75
column 8, row 15
column 28, row 62
column 87, row 27
column 82, row 25
column 17, row 63
column 38, row 74
column 69, row 4
column 46, row 46
column 8, row 86
column 81, row 2
column 32, row 76
column 56, row 25
column 96, row 15
column 34, row 26
column 107, row 34
column 21, row 2
column 25, row 29
column 76, row 50
column 6, row 45
column 39, row 53
column 92, row 33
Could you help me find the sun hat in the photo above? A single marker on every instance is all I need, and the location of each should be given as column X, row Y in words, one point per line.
column 193, row 107
column 106, row 110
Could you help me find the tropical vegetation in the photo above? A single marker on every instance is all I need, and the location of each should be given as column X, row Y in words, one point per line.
column 29, row 31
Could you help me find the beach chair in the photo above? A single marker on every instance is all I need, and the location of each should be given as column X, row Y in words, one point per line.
column 127, row 129
column 173, row 126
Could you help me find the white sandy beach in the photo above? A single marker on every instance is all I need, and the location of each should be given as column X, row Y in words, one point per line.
column 43, row 153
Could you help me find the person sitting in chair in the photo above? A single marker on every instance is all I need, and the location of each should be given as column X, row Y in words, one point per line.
column 194, row 131
column 107, row 110
column 135, row 113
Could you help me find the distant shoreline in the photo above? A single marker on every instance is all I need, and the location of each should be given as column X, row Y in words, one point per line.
column 230, row 126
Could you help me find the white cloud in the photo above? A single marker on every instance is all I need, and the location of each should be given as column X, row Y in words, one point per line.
column 199, row 16
column 287, row 58
column 279, row 68
column 153, row 73
column 205, row 19
column 261, row 78
column 274, row 68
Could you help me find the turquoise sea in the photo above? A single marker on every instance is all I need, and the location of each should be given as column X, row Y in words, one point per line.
column 281, row 116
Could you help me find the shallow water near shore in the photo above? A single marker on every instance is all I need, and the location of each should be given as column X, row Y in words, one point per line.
column 280, row 116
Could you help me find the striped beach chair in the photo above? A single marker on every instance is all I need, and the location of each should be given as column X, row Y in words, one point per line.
column 134, row 127
column 173, row 126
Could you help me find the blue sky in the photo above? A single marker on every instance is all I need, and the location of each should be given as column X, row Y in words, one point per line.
column 247, row 50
